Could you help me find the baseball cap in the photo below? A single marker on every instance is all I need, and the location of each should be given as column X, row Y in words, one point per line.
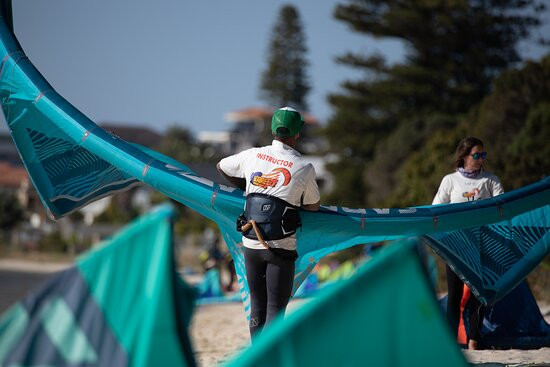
column 287, row 117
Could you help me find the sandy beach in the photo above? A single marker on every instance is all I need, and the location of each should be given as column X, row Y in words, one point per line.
column 219, row 331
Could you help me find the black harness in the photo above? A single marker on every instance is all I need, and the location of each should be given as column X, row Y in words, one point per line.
column 275, row 218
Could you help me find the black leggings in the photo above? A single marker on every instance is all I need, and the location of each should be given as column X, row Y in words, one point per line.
column 270, row 279
column 455, row 288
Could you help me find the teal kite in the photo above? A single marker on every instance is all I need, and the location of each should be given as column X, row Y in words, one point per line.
column 72, row 162
column 122, row 304
column 369, row 319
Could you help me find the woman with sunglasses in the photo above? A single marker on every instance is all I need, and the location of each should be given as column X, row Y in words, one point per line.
column 469, row 182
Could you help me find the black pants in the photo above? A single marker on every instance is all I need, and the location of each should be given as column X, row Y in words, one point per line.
column 270, row 275
column 455, row 288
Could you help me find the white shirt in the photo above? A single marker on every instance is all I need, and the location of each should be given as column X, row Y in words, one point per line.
column 455, row 188
column 277, row 170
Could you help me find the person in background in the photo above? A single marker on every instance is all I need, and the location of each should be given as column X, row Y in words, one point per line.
column 277, row 182
column 469, row 182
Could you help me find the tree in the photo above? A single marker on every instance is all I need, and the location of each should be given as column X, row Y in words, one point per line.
column 454, row 50
column 285, row 82
column 180, row 144
column 514, row 124
column 530, row 150
column 11, row 212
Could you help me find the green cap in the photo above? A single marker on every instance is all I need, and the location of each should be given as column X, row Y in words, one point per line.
column 287, row 117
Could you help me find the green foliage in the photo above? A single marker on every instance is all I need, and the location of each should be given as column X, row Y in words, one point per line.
column 117, row 212
column 454, row 50
column 514, row 124
column 349, row 186
column 285, row 81
column 529, row 152
column 191, row 222
column 11, row 212
column 387, row 171
column 53, row 242
column 188, row 221
column 180, row 144
column 421, row 173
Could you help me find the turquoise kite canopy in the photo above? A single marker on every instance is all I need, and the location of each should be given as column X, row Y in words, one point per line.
column 122, row 303
column 73, row 162
column 368, row 319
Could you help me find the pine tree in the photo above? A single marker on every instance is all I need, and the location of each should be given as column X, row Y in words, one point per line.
column 454, row 50
column 285, row 82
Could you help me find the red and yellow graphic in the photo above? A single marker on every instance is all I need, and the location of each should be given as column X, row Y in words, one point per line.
column 471, row 196
column 270, row 179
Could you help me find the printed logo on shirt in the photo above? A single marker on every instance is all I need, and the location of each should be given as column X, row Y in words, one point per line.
column 471, row 195
column 279, row 162
column 270, row 179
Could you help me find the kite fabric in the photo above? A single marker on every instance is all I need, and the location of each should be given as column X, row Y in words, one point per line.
column 384, row 315
column 122, row 304
column 493, row 259
column 72, row 162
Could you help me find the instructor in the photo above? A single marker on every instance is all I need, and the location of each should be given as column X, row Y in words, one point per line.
column 277, row 182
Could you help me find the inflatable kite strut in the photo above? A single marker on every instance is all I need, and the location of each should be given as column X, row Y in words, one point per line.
column 73, row 162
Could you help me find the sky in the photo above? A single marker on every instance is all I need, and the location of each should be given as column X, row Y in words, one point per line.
column 188, row 63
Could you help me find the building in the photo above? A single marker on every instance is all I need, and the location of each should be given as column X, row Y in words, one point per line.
column 14, row 180
column 8, row 152
column 220, row 141
column 251, row 127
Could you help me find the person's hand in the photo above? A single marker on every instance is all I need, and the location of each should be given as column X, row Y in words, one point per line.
column 312, row 207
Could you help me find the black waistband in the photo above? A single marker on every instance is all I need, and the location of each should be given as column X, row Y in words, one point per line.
column 275, row 218
column 271, row 197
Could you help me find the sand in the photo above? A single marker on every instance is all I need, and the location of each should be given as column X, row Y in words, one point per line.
column 220, row 331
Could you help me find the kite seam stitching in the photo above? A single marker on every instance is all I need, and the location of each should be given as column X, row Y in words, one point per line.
column 214, row 194
column 38, row 97
column 6, row 59
column 86, row 134
column 146, row 168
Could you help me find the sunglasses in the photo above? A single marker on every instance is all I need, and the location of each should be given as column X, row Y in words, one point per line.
column 481, row 155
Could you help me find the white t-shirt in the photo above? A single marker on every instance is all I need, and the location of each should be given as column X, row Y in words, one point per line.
column 455, row 188
column 277, row 170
